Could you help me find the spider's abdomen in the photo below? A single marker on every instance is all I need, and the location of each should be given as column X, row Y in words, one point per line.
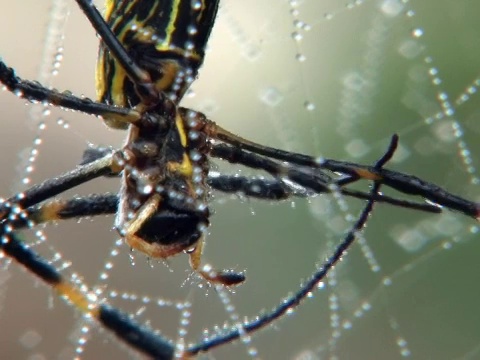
column 167, row 38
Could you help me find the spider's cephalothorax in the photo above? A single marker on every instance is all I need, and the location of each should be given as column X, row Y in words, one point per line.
column 163, row 192
column 163, row 198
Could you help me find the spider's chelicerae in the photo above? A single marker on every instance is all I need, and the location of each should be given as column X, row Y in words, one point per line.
column 150, row 53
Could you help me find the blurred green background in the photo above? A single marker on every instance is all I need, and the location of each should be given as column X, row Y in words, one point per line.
column 326, row 78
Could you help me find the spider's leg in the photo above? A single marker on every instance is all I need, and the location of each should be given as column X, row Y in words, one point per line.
column 35, row 92
column 315, row 181
column 61, row 209
column 226, row 278
column 251, row 187
column 85, row 300
column 318, row 181
column 407, row 184
column 259, row 188
column 274, row 189
column 129, row 232
column 56, row 185
column 140, row 77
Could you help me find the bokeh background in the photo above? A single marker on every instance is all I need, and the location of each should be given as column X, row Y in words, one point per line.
column 328, row 78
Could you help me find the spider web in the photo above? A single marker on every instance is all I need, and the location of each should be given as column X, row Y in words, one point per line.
column 327, row 78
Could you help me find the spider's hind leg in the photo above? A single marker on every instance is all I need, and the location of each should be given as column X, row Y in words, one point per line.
column 226, row 278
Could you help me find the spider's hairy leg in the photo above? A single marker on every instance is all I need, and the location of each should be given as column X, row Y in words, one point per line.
column 54, row 186
column 63, row 209
column 107, row 204
column 226, row 278
column 35, row 92
column 317, row 182
column 408, row 184
column 404, row 183
column 140, row 77
column 261, row 188
column 85, row 300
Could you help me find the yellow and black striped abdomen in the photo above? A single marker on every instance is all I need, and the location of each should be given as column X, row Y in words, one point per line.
column 167, row 38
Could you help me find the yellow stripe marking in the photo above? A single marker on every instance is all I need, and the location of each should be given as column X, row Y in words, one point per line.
column 181, row 129
column 184, row 168
column 365, row 174
column 77, row 298
column 171, row 24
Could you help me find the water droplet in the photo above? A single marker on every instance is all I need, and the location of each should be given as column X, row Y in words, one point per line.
column 328, row 16
column 418, row 32
column 300, row 57
column 391, row 8
column 271, row 96
column 297, row 36
column 309, row 105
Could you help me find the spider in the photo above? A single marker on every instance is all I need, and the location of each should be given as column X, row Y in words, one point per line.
column 149, row 55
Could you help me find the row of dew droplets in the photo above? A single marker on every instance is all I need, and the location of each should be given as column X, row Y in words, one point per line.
column 334, row 304
column 378, row 34
column 48, row 68
column 356, row 100
column 245, row 338
column 447, row 112
column 300, row 27
column 368, row 77
column 447, row 107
